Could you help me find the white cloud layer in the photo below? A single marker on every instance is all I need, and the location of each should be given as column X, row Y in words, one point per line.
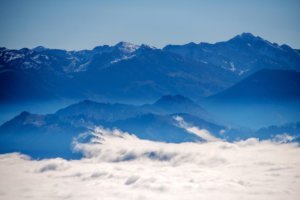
column 120, row 166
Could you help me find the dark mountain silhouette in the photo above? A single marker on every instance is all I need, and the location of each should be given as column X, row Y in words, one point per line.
column 265, row 84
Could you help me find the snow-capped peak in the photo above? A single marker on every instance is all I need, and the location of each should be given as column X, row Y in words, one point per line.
column 246, row 35
column 127, row 47
column 39, row 49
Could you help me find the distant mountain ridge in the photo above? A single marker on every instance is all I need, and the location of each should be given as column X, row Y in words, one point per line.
column 266, row 84
column 31, row 133
column 51, row 135
column 243, row 54
column 128, row 71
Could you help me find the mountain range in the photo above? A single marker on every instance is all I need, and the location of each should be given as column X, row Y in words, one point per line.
column 138, row 72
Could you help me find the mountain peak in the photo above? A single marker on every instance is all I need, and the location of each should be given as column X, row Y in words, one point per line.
column 248, row 39
column 127, row 47
column 247, row 35
column 24, row 114
column 39, row 49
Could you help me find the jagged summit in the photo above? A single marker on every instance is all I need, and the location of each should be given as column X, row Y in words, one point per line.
column 39, row 49
column 126, row 47
column 246, row 37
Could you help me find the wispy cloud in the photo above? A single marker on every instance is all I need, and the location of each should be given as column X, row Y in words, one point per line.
column 202, row 133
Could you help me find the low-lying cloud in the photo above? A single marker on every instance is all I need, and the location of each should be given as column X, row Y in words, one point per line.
column 120, row 166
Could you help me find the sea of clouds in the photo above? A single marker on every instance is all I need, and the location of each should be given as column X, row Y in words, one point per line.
column 118, row 165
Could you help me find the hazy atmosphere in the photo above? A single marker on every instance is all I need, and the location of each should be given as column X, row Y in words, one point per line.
column 141, row 99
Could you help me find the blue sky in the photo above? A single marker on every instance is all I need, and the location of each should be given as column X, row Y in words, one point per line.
column 83, row 24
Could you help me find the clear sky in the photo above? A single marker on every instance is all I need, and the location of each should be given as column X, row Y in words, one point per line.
column 83, row 24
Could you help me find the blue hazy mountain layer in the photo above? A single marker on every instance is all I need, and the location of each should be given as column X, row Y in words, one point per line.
column 51, row 135
column 128, row 72
column 264, row 98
